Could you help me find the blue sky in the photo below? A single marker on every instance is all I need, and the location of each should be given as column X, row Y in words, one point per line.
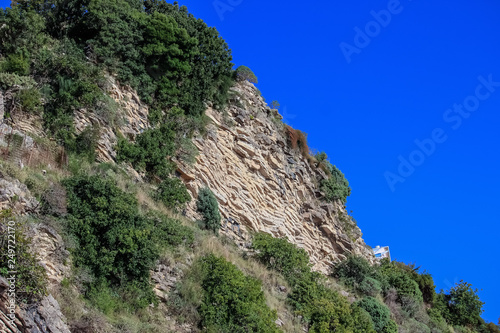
column 419, row 70
column 397, row 88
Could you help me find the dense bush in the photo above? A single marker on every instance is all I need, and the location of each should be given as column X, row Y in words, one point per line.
column 370, row 287
column 282, row 256
column 86, row 142
column 401, row 277
column 115, row 242
column 427, row 287
column 31, row 279
column 208, row 207
column 379, row 313
column 232, row 301
column 462, row 305
column 16, row 63
column 322, row 307
column 335, row 187
column 353, row 271
column 172, row 193
column 244, row 73
column 160, row 49
column 30, row 100
column 150, row 151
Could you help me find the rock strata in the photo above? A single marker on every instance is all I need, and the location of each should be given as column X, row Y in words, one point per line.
column 262, row 184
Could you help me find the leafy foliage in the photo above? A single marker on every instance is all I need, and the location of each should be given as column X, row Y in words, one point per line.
column 30, row 100
column 232, row 301
column 280, row 255
column 462, row 305
column 335, row 187
column 67, row 46
column 208, row 207
column 379, row 313
column 322, row 307
column 244, row 73
column 353, row 271
column 115, row 242
column 172, row 193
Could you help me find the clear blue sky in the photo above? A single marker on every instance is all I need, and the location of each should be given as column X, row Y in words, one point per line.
column 400, row 85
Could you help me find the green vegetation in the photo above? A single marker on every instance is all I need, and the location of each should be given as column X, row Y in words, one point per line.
column 171, row 58
column 244, row 73
column 115, row 242
column 405, row 292
column 232, row 302
column 461, row 305
column 380, row 314
column 208, row 207
column 335, row 187
column 325, row 309
column 172, row 193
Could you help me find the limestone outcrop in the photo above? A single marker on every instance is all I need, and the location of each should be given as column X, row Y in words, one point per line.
column 262, row 184
column 130, row 119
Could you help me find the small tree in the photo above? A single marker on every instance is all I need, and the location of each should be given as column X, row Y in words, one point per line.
column 275, row 105
column 464, row 305
column 244, row 73
column 336, row 186
column 208, row 206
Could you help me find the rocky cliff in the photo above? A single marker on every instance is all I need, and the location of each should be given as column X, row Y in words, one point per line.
column 262, row 184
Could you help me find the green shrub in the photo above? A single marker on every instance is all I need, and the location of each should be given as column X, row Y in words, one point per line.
column 463, row 306
column 370, row 287
column 232, row 301
column 172, row 193
column 86, row 143
column 390, row 327
column 150, row 151
column 31, row 279
column 406, row 287
column 335, row 187
column 400, row 276
column 169, row 232
column 331, row 312
column 30, row 100
column 16, row 64
column 379, row 313
column 8, row 80
column 208, row 207
column 363, row 322
column 115, row 242
column 244, row 73
column 282, row 256
column 322, row 307
column 353, row 271
column 427, row 287
column 436, row 321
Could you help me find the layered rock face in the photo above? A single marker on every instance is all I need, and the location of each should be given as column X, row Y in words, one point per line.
column 130, row 119
column 264, row 185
